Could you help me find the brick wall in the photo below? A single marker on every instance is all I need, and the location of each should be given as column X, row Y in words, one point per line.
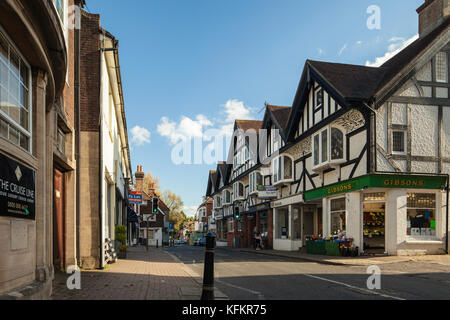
column 90, row 72
column 429, row 14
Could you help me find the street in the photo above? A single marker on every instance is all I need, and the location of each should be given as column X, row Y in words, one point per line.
column 248, row 276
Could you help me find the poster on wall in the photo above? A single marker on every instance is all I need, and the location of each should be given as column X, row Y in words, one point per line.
column 17, row 189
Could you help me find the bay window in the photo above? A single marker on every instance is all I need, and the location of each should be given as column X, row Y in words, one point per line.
column 256, row 180
column 421, row 215
column 15, row 95
column 217, row 202
column 238, row 191
column 328, row 147
column 226, row 197
column 282, row 169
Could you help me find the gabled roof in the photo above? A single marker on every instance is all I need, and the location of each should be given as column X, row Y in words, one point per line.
column 352, row 82
column 245, row 125
column 279, row 116
column 211, row 182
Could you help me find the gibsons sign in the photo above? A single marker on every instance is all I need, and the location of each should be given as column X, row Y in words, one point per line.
column 17, row 190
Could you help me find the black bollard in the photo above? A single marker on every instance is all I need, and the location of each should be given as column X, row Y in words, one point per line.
column 156, row 243
column 208, row 274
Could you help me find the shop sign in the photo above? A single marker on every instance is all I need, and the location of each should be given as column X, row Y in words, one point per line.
column 393, row 181
column 287, row 201
column 135, row 197
column 267, row 192
column 17, row 190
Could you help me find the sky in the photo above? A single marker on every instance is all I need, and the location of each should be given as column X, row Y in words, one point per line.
column 189, row 66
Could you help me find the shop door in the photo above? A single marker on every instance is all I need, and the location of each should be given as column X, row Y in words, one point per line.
column 308, row 223
column 374, row 228
column 58, row 221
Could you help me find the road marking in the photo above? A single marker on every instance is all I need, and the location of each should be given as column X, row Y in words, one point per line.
column 353, row 287
column 259, row 294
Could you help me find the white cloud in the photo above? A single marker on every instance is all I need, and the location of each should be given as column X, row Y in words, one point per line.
column 341, row 51
column 189, row 128
column 140, row 136
column 394, row 48
column 320, row 52
column 186, row 128
column 359, row 42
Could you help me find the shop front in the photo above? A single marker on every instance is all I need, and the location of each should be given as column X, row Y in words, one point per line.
column 287, row 230
column 255, row 223
column 387, row 214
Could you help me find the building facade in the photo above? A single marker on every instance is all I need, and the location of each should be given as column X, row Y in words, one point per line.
column 34, row 64
column 362, row 153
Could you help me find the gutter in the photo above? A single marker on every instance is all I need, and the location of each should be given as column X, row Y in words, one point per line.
column 77, row 139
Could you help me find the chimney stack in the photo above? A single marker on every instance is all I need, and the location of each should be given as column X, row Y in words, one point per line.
column 431, row 14
column 151, row 189
column 139, row 179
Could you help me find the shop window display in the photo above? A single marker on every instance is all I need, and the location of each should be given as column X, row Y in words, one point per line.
column 421, row 214
column 338, row 216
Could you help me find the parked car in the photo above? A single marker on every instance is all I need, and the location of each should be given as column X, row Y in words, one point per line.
column 196, row 242
column 202, row 242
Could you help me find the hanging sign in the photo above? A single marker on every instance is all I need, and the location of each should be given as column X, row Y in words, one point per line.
column 17, row 189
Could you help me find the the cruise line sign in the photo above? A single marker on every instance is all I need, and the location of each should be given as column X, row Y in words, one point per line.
column 17, row 190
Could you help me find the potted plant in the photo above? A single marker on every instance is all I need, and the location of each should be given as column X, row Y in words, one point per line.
column 121, row 237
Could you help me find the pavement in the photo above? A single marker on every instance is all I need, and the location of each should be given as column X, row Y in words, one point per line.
column 152, row 275
column 242, row 275
column 350, row 261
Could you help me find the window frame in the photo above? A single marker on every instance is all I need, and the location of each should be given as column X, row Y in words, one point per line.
column 11, row 122
column 405, row 142
column 329, row 161
column 236, row 195
column 436, row 216
column 338, row 211
column 278, row 168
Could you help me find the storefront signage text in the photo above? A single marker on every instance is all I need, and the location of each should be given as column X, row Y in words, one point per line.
column 17, row 190
column 379, row 181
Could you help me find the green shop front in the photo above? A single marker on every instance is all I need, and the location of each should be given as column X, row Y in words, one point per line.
column 391, row 214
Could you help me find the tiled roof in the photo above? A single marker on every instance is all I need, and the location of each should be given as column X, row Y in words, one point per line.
column 281, row 115
column 249, row 124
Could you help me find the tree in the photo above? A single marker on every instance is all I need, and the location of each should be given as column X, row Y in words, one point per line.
column 176, row 206
column 148, row 180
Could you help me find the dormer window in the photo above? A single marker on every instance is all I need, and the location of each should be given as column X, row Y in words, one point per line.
column 328, row 148
column 283, row 169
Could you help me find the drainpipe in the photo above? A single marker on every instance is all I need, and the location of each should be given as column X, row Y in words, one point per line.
column 77, row 139
column 446, row 220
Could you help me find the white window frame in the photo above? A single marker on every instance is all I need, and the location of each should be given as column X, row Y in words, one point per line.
column 330, row 212
column 446, row 69
column 10, row 121
column 224, row 197
column 436, row 214
column 217, row 202
column 236, row 195
column 275, row 163
column 316, row 105
column 253, row 185
column 329, row 162
column 405, row 142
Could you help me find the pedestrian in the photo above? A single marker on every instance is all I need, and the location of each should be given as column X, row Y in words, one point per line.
column 258, row 241
column 254, row 234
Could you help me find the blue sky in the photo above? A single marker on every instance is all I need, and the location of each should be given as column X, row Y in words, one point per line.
column 190, row 65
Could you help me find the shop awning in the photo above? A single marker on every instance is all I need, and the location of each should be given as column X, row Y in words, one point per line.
column 132, row 216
